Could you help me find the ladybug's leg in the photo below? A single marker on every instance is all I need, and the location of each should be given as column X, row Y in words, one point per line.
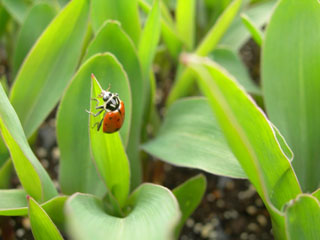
column 95, row 114
column 100, row 123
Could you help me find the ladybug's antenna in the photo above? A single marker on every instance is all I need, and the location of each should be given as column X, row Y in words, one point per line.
column 108, row 87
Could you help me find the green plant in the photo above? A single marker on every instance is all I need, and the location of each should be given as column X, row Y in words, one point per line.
column 54, row 62
column 290, row 86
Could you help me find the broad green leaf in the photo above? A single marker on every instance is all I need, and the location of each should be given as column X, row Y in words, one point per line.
column 18, row 9
column 185, row 20
column 77, row 171
column 237, row 34
column 260, row 155
column 49, row 66
column 191, row 137
column 233, row 64
column 303, row 218
column 255, row 32
column 41, row 225
column 107, row 149
column 32, row 175
column 291, row 86
column 184, row 82
column 149, row 40
column 154, row 214
column 189, row 195
column 33, row 25
column 5, row 174
column 125, row 11
column 13, row 202
column 111, row 38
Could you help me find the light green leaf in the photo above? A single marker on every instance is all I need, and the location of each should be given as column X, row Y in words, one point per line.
column 32, row 175
column 184, row 82
column 111, row 38
column 233, row 64
column 33, row 25
column 185, row 20
column 107, row 149
column 260, row 155
column 155, row 213
column 13, row 202
column 191, row 137
column 77, row 171
column 303, row 218
column 18, row 9
column 189, row 195
column 316, row 194
column 5, row 174
column 41, row 225
column 237, row 34
column 149, row 40
column 4, row 19
column 290, row 74
column 49, row 66
column 255, row 32
column 125, row 11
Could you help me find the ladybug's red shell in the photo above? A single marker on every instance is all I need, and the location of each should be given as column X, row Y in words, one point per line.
column 113, row 121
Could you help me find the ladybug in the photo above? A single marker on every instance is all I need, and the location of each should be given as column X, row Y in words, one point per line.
column 113, row 109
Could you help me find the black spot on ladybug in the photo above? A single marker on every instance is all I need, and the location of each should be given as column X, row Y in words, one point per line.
column 118, row 120
column 110, row 118
column 117, row 129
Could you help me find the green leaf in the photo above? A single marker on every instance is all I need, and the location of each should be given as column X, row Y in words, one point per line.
column 189, row 195
column 49, row 66
column 185, row 20
column 111, row 38
column 4, row 19
column 13, row 202
column 260, row 155
column 291, row 86
column 107, row 149
column 18, row 9
column 233, row 64
column 125, row 11
column 33, row 25
column 155, row 212
column 5, row 174
column 41, row 225
column 77, row 171
column 191, row 137
column 184, row 82
column 255, row 32
column 317, row 194
column 303, row 218
column 237, row 34
column 32, row 175
column 149, row 40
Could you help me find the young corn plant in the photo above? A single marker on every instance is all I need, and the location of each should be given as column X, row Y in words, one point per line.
column 227, row 129
column 100, row 192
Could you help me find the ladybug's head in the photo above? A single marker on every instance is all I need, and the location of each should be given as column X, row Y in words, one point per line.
column 111, row 100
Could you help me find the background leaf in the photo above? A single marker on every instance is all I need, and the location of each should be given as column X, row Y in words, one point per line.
column 147, row 220
column 49, row 66
column 125, row 11
column 33, row 25
column 289, row 69
column 107, row 149
column 191, row 137
column 303, row 218
column 32, row 175
column 255, row 32
column 260, row 155
column 189, row 195
column 41, row 225
column 18, row 9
